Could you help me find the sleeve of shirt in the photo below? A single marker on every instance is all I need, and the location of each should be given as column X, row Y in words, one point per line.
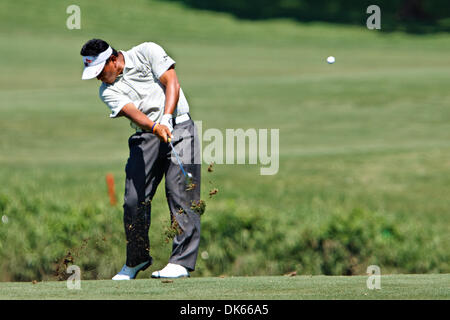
column 158, row 58
column 114, row 100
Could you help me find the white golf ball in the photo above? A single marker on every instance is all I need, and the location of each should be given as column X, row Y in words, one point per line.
column 331, row 59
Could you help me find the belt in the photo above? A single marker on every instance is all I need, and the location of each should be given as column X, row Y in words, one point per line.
column 180, row 119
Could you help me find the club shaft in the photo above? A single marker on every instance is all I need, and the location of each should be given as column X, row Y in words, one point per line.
column 178, row 159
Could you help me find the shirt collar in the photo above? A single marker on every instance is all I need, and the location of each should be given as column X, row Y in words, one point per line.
column 128, row 62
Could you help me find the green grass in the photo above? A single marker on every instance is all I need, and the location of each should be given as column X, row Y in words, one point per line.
column 239, row 288
column 371, row 132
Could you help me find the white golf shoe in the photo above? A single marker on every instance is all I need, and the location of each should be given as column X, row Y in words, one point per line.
column 128, row 273
column 172, row 270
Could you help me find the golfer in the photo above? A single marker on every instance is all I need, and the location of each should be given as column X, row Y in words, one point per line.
column 141, row 84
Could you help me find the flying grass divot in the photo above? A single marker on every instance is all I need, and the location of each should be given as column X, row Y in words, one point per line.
column 198, row 206
column 173, row 230
column 213, row 192
column 166, row 281
column 73, row 253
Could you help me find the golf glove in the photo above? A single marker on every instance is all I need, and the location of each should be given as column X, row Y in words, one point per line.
column 167, row 121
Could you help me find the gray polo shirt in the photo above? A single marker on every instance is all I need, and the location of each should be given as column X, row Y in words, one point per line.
column 139, row 83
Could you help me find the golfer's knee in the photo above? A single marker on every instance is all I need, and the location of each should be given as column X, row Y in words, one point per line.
column 130, row 204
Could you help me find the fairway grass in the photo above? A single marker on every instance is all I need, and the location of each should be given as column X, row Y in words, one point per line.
column 433, row 286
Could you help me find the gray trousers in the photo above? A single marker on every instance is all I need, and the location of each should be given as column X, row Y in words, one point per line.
column 149, row 160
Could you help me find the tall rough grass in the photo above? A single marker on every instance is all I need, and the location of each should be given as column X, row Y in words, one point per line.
column 41, row 238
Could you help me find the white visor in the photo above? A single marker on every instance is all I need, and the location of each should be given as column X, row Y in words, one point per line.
column 93, row 65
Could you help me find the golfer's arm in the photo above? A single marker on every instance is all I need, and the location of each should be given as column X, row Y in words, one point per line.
column 131, row 112
column 170, row 80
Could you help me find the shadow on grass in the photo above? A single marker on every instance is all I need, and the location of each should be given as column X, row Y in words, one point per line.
column 409, row 16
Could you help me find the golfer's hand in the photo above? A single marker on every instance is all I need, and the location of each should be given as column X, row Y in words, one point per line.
column 166, row 120
column 162, row 132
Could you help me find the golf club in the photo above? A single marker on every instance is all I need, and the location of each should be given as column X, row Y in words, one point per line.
column 188, row 176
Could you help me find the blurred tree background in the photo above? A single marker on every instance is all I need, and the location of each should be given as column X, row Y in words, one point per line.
column 416, row 16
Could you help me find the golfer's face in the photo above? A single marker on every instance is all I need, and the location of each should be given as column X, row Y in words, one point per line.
column 108, row 74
